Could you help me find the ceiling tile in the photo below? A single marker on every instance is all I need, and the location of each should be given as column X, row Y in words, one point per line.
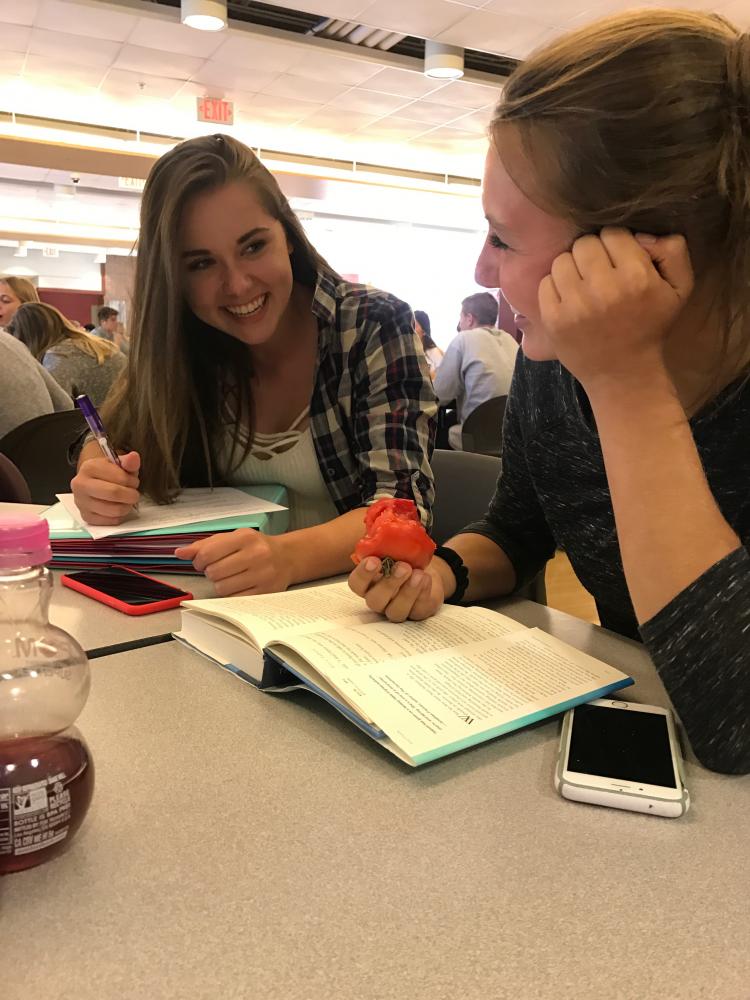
column 467, row 95
column 338, row 122
column 347, row 9
column 93, row 21
column 699, row 5
column 477, row 122
column 14, row 37
column 14, row 12
column 553, row 12
column 738, row 13
column 279, row 109
column 214, row 74
column 327, row 66
column 508, row 35
column 152, row 33
column 73, row 47
column 454, row 135
column 126, row 84
column 11, row 63
column 425, row 18
column 392, row 128
column 249, row 52
column 403, row 83
column 369, row 102
column 74, row 73
column 429, row 113
column 140, row 60
column 286, row 85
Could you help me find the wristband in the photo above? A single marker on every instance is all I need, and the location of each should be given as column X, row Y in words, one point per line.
column 458, row 569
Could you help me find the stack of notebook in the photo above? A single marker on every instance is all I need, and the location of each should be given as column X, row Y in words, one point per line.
column 148, row 540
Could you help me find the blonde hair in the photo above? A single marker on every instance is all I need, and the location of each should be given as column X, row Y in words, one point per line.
column 40, row 327
column 642, row 120
column 175, row 431
column 23, row 289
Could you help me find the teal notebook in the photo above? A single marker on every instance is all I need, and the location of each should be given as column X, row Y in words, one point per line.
column 63, row 527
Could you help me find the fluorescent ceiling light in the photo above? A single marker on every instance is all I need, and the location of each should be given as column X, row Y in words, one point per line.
column 206, row 15
column 442, row 62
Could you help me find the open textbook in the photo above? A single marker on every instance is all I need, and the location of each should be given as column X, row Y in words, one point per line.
column 422, row 689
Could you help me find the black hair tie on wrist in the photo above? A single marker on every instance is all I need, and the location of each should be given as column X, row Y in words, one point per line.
column 458, row 569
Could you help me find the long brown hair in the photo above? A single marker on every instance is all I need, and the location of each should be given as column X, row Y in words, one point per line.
column 170, row 403
column 642, row 120
column 40, row 326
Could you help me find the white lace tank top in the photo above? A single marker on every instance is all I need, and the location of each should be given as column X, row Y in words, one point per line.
column 289, row 459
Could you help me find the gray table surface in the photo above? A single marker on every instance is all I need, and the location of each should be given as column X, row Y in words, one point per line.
column 95, row 625
column 258, row 847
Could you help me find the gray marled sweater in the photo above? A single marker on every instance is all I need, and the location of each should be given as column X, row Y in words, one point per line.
column 26, row 389
column 553, row 492
column 78, row 372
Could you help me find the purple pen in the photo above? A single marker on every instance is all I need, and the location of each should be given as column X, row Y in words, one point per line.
column 96, row 427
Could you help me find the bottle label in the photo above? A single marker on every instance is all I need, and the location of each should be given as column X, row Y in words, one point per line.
column 34, row 816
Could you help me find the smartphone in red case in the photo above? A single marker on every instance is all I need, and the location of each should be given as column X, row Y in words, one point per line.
column 126, row 590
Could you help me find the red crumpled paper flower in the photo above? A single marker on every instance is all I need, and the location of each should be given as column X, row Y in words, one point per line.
column 393, row 533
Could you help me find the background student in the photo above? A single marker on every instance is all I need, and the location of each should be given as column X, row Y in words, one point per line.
column 251, row 362
column 617, row 189
column 14, row 291
column 107, row 323
column 79, row 361
column 478, row 365
column 26, row 389
column 424, row 331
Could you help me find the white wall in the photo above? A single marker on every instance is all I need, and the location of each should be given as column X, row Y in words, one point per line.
column 418, row 252
column 70, row 270
column 431, row 269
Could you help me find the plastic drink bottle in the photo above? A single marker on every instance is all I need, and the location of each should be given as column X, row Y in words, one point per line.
column 46, row 770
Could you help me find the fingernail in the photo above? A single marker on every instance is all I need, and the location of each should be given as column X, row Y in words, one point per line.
column 645, row 238
column 401, row 571
column 416, row 578
column 372, row 564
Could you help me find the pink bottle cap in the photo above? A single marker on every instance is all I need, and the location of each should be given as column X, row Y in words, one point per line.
column 24, row 541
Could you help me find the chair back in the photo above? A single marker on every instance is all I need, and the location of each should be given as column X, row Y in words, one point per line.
column 13, row 487
column 482, row 431
column 464, row 484
column 39, row 449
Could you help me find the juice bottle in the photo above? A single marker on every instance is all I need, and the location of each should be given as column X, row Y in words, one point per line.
column 46, row 770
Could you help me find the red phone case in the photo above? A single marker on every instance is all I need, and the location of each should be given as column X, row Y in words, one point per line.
column 129, row 609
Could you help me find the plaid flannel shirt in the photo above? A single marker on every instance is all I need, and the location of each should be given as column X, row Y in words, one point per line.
column 373, row 409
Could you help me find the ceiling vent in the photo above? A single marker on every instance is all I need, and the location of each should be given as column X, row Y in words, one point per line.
column 350, row 33
column 357, row 34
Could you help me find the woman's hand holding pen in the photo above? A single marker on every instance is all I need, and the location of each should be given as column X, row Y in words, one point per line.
column 106, row 493
column 241, row 562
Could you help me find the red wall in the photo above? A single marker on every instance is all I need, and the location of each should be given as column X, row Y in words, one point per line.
column 73, row 304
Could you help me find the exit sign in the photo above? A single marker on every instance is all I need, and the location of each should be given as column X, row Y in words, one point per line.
column 215, row 110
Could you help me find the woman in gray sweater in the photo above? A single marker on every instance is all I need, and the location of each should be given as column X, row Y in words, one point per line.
column 617, row 193
column 26, row 389
column 79, row 362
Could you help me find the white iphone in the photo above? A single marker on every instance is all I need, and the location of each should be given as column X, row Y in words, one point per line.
column 623, row 755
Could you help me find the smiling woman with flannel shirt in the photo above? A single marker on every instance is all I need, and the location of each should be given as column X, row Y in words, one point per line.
column 251, row 362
